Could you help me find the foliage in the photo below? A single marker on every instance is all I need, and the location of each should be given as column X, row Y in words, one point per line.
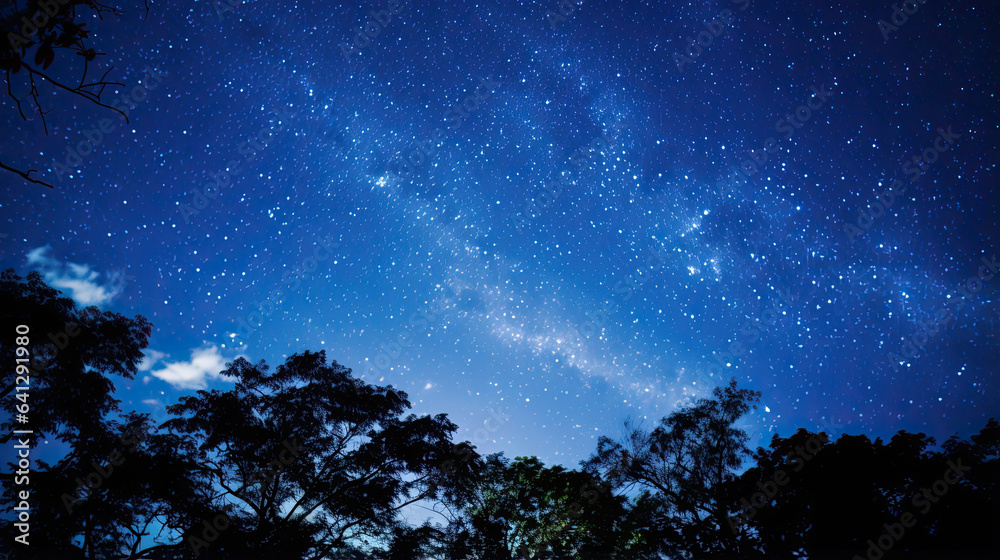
column 686, row 465
column 35, row 32
column 308, row 462
column 358, row 461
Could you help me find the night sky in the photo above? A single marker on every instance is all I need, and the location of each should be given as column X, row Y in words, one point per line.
column 541, row 224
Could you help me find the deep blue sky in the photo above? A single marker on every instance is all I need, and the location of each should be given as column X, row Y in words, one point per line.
column 636, row 268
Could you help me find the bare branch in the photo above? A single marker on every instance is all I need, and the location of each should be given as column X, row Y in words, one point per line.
column 92, row 97
column 26, row 176
column 61, row 32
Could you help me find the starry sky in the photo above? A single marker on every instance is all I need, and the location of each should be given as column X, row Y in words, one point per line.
column 541, row 218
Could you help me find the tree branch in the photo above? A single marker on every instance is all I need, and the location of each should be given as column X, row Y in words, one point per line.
column 26, row 177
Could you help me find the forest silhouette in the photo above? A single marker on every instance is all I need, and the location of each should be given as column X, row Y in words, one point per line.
column 306, row 461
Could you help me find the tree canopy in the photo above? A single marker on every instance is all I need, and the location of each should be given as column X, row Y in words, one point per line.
column 306, row 461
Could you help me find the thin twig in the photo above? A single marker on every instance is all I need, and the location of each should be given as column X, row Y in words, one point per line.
column 26, row 176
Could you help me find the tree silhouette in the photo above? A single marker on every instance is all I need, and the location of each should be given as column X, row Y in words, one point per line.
column 356, row 463
column 523, row 509
column 685, row 465
column 309, row 462
column 35, row 32
column 854, row 488
column 73, row 355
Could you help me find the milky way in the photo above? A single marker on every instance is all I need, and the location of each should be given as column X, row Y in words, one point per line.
column 557, row 214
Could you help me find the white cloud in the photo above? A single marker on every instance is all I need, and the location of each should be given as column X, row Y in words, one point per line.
column 78, row 280
column 205, row 363
column 149, row 359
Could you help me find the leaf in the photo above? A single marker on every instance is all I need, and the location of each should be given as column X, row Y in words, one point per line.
column 65, row 40
column 40, row 55
column 51, row 56
column 44, row 55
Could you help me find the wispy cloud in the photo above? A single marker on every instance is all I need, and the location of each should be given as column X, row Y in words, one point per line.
column 149, row 359
column 82, row 283
column 205, row 363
